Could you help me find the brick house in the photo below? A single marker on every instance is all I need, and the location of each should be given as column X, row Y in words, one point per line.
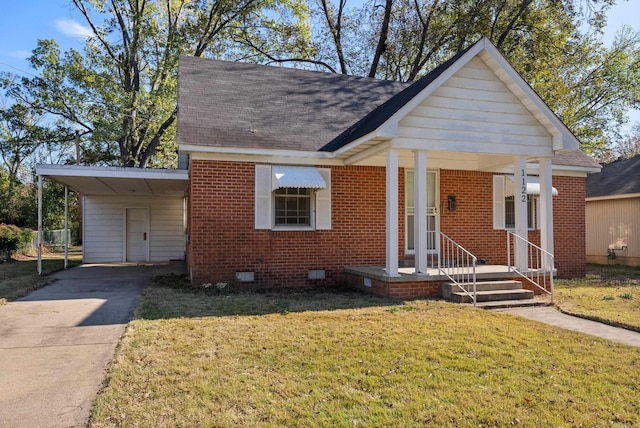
column 303, row 178
column 300, row 178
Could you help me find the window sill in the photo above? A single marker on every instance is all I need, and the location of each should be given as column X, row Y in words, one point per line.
column 293, row 229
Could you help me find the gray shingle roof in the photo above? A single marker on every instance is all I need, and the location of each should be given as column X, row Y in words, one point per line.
column 233, row 104
column 382, row 113
column 575, row 158
column 616, row 178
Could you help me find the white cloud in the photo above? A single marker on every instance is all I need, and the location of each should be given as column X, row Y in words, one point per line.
column 20, row 54
column 71, row 28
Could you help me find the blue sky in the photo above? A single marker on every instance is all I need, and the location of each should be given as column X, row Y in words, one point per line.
column 23, row 22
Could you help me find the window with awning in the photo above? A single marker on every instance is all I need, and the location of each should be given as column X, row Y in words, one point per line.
column 292, row 197
column 291, row 177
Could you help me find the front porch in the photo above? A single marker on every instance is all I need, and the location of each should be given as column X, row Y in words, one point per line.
column 496, row 284
column 484, row 207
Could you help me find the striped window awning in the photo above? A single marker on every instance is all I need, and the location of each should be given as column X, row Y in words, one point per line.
column 533, row 186
column 296, row 176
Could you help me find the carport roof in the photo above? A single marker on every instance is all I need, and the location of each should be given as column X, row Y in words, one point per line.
column 113, row 181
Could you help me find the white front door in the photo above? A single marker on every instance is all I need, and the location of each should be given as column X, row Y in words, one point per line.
column 136, row 239
column 433, row 224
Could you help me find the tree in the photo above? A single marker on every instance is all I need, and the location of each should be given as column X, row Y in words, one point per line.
column 624, row 148
column 121, row 92
column 588, row 85
column 24, row 132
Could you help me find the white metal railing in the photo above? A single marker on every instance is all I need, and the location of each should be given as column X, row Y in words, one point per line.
column 540, row 264
column 458, row 264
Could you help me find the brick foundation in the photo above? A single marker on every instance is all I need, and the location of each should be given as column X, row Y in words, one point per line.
column 405, row 289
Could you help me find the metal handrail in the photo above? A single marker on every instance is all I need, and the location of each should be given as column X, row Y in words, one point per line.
column 460, row 264
column 540, row 264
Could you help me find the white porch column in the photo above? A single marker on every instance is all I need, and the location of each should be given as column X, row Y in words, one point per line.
column 420, row 214
column 392, row 213
column 520, row 208
column 39, row 239
column 546, row 209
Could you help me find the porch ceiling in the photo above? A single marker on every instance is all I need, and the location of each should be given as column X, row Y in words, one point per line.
column 109, row 181
column 435, row 159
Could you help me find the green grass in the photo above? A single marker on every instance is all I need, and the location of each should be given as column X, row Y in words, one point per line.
column 20, row 277
column 608, row 293
column 196, row 358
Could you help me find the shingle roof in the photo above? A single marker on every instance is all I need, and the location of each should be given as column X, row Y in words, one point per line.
column 233, row 104
column 575, row 158
column 616, row 178
column 377, row 117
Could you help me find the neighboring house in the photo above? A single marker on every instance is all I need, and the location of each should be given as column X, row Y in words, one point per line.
column 613, row 213
column 302, row 178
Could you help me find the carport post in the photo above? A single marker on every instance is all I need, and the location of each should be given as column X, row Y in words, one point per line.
column 66, row 227
column 39, row 225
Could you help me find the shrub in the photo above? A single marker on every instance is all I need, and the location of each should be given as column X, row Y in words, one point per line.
column 12, row 239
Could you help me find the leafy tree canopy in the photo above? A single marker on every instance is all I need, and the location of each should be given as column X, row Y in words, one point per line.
column 625, row 148
column 590, row 86
column 121, row 90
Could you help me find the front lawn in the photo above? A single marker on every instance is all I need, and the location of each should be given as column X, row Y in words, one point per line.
column 344, row 359
column 20, row 277
column 608, row 293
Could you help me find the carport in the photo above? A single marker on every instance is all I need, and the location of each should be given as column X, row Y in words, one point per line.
column 128, row 214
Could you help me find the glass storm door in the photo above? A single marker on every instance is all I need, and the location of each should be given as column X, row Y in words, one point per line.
column 432, row 212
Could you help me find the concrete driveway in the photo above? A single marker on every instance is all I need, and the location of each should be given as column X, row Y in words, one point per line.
column 56, row 344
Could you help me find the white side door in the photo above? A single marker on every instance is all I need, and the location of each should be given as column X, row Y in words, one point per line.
column 136, row 234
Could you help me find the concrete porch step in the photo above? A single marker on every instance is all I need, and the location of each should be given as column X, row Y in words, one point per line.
column 492, row 295
column 448, row 288
column 502, row 304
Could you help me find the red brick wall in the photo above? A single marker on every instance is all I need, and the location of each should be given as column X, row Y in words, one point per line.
column 471, row 224
column 569, row 236
column 404, row 289
column 223, row 240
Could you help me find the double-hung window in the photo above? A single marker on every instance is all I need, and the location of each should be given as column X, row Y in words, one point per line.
column 510, row 212
column 504, row 203
column 293, row 206
column 292, row 197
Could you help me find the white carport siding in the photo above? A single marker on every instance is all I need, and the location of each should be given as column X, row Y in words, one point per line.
column 152, row 199
column 104, row 227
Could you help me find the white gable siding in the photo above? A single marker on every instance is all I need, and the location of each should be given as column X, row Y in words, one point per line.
column 104, row 222
column 473, row 111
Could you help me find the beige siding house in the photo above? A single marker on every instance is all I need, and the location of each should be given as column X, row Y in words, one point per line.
column 613, row 213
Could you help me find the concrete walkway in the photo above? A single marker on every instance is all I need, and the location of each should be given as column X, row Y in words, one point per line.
column 552, row 316
column 56, row 343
